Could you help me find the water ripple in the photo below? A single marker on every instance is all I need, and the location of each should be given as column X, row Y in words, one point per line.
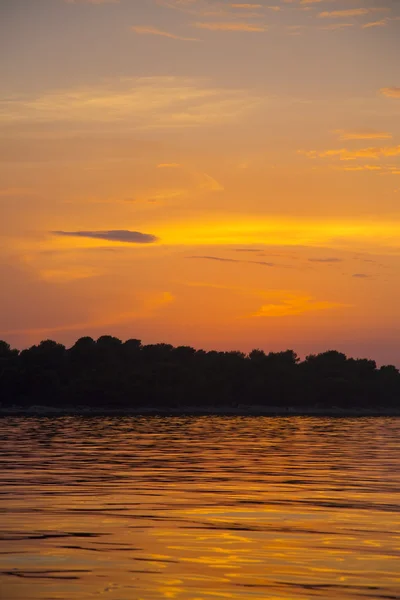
column 205, row 508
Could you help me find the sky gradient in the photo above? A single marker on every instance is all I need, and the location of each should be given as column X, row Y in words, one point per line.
column 200, row 172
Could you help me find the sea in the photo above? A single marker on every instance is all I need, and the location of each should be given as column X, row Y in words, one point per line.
column 199, row 508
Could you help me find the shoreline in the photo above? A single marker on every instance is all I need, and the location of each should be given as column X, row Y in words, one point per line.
column 46, row 411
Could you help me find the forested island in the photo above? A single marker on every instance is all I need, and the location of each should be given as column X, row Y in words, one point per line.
column 109, row 376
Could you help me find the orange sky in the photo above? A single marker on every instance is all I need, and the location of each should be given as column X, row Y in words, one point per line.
column 201, row 172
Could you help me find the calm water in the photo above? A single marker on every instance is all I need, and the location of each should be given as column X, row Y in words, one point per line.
column 199, row 509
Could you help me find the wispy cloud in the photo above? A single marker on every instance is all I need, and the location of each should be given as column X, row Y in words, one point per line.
column 351, row 12
column 125, row 236
column 284, row 304
column 276, row 302
column 391, row 92
column 360, row 134
column 144, row 30
column 326, row 260
column 381, row 169
column 142, row 102
column 363, row 168
column 217, row 258
column 381, row 23
column 206, row 182
column 217, row 9
column 346, row 154
column 219, row 26
column 234, row 260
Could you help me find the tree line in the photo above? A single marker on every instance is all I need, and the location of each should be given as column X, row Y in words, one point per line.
column 111, row 374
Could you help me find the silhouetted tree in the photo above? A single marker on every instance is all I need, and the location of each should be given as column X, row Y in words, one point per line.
column 110, row 374
column 6, row 353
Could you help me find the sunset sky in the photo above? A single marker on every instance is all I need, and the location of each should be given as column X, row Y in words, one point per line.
column 201, row 172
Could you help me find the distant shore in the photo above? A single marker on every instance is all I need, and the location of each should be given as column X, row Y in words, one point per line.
column 108, row 377
column 249, row 411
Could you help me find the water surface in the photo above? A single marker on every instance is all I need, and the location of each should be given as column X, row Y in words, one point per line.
column 199, row 508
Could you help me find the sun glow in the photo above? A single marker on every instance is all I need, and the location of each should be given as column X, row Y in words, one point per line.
column 269, row 231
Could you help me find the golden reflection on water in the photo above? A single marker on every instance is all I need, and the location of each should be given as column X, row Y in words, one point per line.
column 200, row 508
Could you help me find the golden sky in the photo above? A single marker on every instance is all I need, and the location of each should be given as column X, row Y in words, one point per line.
column 217, row 174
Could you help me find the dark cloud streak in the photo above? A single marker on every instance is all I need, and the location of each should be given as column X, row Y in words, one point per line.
column 326, row 260
column 233, row 260
column 116, row 235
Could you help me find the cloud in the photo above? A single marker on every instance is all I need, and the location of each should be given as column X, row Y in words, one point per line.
column 276, row 303
column 217, row 26
column 217, row 9
column 381, row 23
column 391, row 92
column 345, row 154
column 284, row 304
column 383, row 169
column 210, row 184
column 362, row 134
column 231, row 260
column 158, row 102
column 234, row 260
column 363, row 168
column 326, row 260
column 119, row 235
column 143, row 30
column 351, row 12
column 262, row 263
